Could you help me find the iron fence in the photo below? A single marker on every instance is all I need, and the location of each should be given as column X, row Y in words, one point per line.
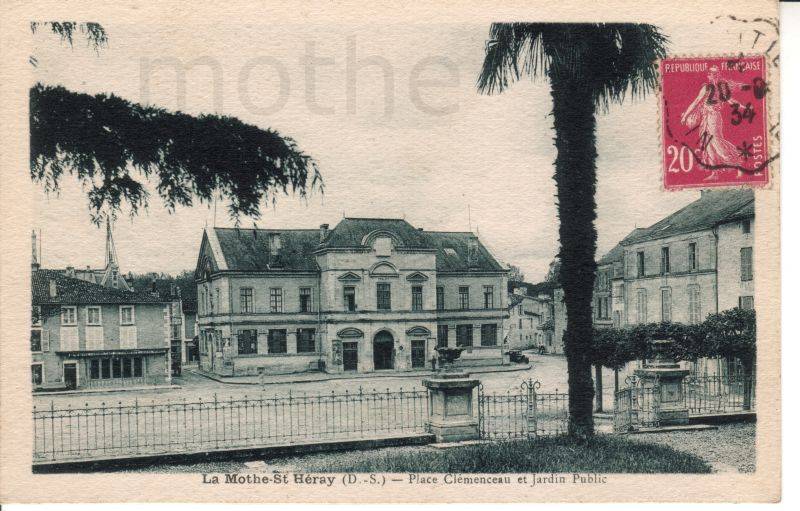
column 523, row 413
column 719, row 394
column 638, row 404
column 108, row 431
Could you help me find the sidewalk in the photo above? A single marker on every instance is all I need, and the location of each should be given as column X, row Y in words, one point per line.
column 103, row 390
column 312, row 377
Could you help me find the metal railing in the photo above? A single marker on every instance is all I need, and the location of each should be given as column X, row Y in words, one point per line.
column 638, row 404
column 719, row 394
column 524, row 413
column 123, row 430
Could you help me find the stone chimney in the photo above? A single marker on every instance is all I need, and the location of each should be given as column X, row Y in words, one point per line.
column 53, row 289
column 323, row 232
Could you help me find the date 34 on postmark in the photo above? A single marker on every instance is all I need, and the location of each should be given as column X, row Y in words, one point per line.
column 714, row 122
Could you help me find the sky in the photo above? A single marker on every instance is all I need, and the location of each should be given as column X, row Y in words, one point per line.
column 392, row 117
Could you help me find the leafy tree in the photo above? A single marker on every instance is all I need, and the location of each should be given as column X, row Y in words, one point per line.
column 588, row 67
column 515, row 274
column 114, row 146
column 732, row 334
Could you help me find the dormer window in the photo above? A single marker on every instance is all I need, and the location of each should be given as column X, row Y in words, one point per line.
column 383, row 247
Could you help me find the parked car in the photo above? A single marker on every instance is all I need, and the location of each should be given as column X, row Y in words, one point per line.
column 517, row 357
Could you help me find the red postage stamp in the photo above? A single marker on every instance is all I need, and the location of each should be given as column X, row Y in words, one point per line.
column 714, row 122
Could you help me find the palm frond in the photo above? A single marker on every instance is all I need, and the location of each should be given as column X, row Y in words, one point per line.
column 611, row 59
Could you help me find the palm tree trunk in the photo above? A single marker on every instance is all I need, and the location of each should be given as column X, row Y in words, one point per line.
column 575, row 176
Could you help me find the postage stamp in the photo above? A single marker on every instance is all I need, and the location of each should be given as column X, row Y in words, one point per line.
column 714, row 115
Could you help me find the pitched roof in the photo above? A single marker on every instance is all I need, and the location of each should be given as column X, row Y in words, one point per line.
column 712, row 208
column 452, row 252
column 249, row 249
column 72, row 291
column 617, row 254
column 350, row 232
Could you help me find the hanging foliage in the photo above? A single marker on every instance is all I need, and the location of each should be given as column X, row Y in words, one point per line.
column 112, row 146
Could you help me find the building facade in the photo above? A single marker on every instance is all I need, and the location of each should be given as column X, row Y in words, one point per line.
column 367, row 295
column 692, row 263
column 530, row 309
column 85, row 335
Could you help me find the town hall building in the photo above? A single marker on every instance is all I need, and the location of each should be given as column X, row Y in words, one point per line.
column 368, row 295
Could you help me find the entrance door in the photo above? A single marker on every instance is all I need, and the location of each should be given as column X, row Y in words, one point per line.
column 418, row 353
column 350, row 356
column 383, row 351
column 71, row 375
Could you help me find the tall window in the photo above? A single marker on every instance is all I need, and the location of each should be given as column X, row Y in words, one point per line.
column 641, row 306
column 664, row 260
column 489, row 334
column 439, row 298
column 416, row 298
column 384, row 296
column 36, row 374
column 93, row 316
column 692, row 256
column 488, row 297
column 747, row 263
column 276, row 341
column 640, row 264
column 305, row 299
column 246, row 300
column 275, row 299
column 441, row 336
column 746, row 226
column 306, row 342
column 126, row 316
column 464, row 336
column 666, row 305
column 694, row 305
column 248, row 342
column 350, row 298
column 36, row 340
column 746, row 302
column 68, row 316
column 603, row 311
column 463, row 297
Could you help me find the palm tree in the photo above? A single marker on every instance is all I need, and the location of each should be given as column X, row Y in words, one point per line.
column 588, row 67
column 113, row 146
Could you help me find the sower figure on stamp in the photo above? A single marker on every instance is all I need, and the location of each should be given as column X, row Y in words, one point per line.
column 704, row 113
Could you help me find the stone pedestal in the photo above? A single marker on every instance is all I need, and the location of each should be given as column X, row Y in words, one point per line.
column 451, row 418
column 665, row 376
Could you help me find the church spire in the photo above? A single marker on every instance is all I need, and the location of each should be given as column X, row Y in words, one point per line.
column 111, row 251
column 34, row 252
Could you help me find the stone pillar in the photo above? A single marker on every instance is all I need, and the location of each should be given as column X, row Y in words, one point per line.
column 665, row 377
column 451, row 418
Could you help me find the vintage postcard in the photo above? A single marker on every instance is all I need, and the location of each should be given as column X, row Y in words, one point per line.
column 370, row 252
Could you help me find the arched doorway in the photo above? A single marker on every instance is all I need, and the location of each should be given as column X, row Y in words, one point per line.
column 383, row 350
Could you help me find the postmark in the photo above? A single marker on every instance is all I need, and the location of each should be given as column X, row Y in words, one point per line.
column 714, row 122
